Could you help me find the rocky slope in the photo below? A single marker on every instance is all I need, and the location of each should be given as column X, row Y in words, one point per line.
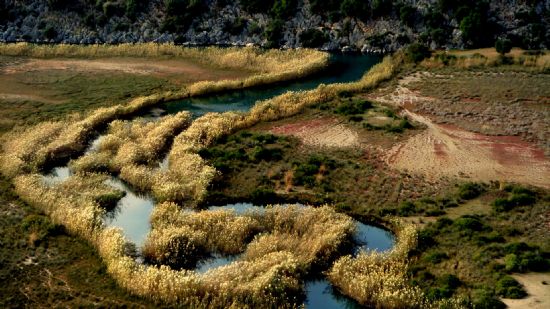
column 348, row 25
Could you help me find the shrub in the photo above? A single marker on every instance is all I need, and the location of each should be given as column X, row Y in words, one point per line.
column 508, row 287
column 417, row 52
column 503, row 46
column 353, row 107
column 263, row 196
column 267, row 154
column 50, row 33
column 407, row 15
column 486, row 299
column 313, row 38
column 470, row 190
column 355, row 8
column 407, row 208
column 436, row 257
column 467, row 223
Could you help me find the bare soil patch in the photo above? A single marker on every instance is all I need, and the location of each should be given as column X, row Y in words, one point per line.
column 180, row 71
column 537, row 286
column 448, row 149
column 323, row 132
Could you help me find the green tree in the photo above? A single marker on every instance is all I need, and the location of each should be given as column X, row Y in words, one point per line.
column 503, row 46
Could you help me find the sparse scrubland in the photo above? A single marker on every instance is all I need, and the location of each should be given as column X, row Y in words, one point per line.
column 281, row 246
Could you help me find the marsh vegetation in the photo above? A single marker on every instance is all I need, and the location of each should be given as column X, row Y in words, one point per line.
column 184, row 163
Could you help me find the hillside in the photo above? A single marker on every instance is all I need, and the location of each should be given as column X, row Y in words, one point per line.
column 368, row 26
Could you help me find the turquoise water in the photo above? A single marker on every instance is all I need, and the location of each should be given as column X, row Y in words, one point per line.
column 345, row 68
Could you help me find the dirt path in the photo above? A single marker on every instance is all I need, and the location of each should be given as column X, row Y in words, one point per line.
column 444, row 150
column 324, row 132
column 537, row 286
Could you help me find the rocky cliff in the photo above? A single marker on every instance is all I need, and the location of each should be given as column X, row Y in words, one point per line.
column 348, row 25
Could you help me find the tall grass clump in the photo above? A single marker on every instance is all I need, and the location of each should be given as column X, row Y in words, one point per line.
column 300, row 61
column 312, row 235
column 131, row 148
column 380, row 280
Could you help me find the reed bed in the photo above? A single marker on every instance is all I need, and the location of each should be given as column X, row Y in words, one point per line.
column 132, row 147
column 379, row 280
column 252, row 59
column 269, row 273
column 312, row 235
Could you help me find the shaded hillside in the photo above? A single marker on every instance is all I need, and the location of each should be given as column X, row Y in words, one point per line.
column 375, row 25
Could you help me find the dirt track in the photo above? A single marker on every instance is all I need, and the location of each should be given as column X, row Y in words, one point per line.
column 181, row 70
column 444, row 150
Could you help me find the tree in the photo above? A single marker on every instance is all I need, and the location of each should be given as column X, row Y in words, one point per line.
column 503, row 46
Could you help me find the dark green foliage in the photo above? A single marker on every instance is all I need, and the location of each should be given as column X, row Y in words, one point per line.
column 323, row 7
column 486, row 299
column 273, row 33
column 235, row 27
column 283, row 9
column 355, row 8
column 417, row 52
column 470, row 190
column 263, row 196
column 40, row 226
column 445, row 287
column 407, row 15
column 508, row 287
column 407, row 208
column 50, row 33
column 111, row 8
column 469, row 223
column 381, row 7
column 180, row 14
column 257, row 6
column 518, row 197
column 503, row 46
column 355, row 107
column 436, row 257
column 313, row 38
column 109, row 201
column 259, row 153
column 446, row 59
column 520, row 257
column 305, row 173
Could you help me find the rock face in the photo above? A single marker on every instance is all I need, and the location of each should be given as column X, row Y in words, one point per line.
column 227, row 23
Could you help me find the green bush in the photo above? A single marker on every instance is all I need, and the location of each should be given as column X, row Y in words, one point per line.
column 508, row 287
column 353, row 107
column 503, row 46
column 355, row 8
column 468, row 223
column 312, row 38
column 257, row 6
column 436, row 257
column 470, row 190
column 50, row 33
column 407, row 15
column 417, row 52
column 260, row 153
column 109, row 201
column 407, row 208
column 273, row 33
column 485, row 298
column 263, row 196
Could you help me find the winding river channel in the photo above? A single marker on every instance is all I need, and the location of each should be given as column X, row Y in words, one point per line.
column 133, row 210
